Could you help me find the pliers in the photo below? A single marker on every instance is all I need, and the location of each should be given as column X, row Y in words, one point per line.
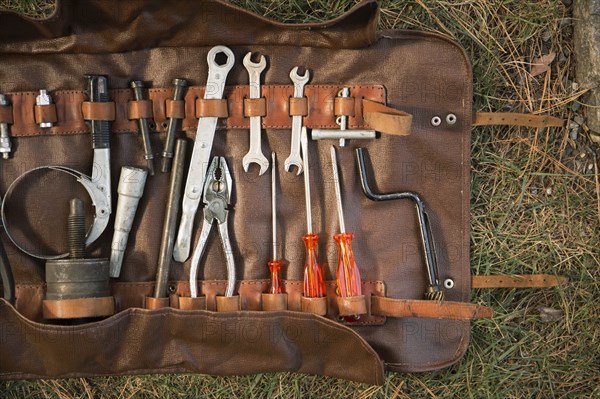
column 216, row 198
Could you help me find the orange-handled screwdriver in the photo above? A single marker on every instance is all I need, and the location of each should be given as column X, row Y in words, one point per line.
column 347, row 273
column 314, row 286
column 274, row 265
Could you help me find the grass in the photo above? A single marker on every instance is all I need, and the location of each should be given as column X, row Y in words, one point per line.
column 534, row 210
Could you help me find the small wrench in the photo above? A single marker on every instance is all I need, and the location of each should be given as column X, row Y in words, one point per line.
column 255, row 154
column 215, row 85
column 295, row 159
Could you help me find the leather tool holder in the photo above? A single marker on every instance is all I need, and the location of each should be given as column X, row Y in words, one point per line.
column 391, row 75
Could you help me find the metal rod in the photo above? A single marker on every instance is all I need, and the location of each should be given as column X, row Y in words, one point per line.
column 338, row 191
column 274, row 204
column 143, row 126
column 170, row 223
column 174, row 123
column 304, row 144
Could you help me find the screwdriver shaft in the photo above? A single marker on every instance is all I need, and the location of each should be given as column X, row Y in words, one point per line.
column 304, row 145
column 338, row 191
column 273, row 204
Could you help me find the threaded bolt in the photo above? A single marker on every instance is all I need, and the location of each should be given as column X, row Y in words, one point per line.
column 76, row 229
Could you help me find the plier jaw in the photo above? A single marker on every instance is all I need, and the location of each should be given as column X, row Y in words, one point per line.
column 217, row 191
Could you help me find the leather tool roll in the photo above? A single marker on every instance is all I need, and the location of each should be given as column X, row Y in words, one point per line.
column 410, row 79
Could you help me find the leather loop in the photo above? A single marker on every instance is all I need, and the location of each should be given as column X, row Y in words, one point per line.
column 189, row 303
column 314, row 305
column 213, row 107
column 352, row 305
column 45, row 113
column 431, row 309
column 98, row 111
column 255, row 107
column 515, row 119
column 272, row 302
column 518, row 281
column 298, row 106
column 78, row 308
column 344, row 106
column 6, row 114
column 386, row 119
column 152, row 303
column 175, row 108
column 139, row 109
column 228, row 303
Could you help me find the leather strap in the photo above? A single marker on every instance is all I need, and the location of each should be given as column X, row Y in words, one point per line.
column 45, row 113
column 431, row 309
column 352, row 305
column 272, row 302
column 78, row 308
column 298, row 106
column 344, row 106
column 386, row 119
column 189, row 303
column 174, row 108
column 216, row 107
column 255, row 107
column 518, row 281
column 152, row 303
column 314, row 305
column 6, row 114
column 139, row 109
column 228, row 303
column 515, row 119
column 98, row 111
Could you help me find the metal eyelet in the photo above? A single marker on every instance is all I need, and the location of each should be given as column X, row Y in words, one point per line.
column 172, row 288
column 436, row 121
column 451, row 119
column 448, row 283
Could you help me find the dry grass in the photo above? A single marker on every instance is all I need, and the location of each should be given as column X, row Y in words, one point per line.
column 535, row 209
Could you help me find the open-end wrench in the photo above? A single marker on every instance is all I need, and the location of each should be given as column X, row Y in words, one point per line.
column 255, row 154
column 295, row 159
column 215, row 84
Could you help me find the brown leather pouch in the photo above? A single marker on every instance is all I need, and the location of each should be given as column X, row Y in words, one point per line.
column 395, row 74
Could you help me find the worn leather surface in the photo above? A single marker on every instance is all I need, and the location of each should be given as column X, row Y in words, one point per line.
column 423, row 74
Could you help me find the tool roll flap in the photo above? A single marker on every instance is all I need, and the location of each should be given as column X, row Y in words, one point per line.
column 423, row 75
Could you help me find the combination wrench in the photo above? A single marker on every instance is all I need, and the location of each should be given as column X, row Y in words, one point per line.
column 255, row 154
column 295, row 159
column 215, row 84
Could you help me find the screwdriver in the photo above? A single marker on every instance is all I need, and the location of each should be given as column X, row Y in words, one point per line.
column 274, row 265
column 314, row 286
column 347, row 273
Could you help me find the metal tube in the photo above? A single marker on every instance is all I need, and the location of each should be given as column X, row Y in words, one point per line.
column 338, row 191
column 178, row 92
column 144, row 128
column 335, row 134
column 170, row 223
column 5, row 145
column 304, row 144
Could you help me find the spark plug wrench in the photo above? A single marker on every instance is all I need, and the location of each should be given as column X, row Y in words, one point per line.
column 295, row 159
column 215, row 85
column 5, row 144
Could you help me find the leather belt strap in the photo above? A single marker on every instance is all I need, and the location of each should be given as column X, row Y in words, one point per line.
column 352, row 305
column 189, row 303
column 45, row 113
column 432, row 309
column 228, row 303
column 386, row 119
column 215, row 107
column 98, row 111
column 255, row 107
column 344, row 106
column 175, row 108
column 516, row 119
column 139, row 109
column 314, row 305
column 152, row 303
column 78, row 308
column 271, row 302
column 298, row 106
column 518, row 281
column 6, row 114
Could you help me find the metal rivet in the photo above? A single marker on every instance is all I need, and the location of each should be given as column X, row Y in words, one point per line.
column 451, row 119
column 448, row 283
column 172, row 288
column 436, row 121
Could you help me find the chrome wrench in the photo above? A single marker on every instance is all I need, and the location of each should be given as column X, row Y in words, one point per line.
column 215, row 84
column 295, row 159
column 255, row 154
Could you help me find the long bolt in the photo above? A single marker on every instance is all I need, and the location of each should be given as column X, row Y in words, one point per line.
column 174, row 123
column 5, row 145
column 76, row 229
column 143, row 126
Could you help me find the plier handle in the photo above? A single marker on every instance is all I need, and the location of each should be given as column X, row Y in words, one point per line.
column 217, row 198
